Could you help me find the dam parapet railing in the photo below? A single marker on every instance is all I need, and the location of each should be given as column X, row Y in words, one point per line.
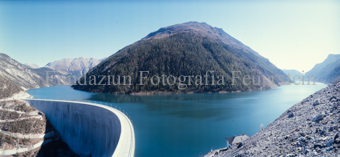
column 113, row 105
column 90, row 128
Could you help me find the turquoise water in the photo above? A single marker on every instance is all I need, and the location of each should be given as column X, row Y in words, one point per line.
column 191, row 124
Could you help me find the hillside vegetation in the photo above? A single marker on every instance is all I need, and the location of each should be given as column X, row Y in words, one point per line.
column 190, row 49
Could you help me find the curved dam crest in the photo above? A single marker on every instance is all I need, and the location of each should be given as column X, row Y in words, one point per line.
column 89, row 129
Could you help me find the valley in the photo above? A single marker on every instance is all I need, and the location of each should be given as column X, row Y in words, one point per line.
column 184, row 85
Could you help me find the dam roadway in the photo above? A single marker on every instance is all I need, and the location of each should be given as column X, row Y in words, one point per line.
column 89, row 129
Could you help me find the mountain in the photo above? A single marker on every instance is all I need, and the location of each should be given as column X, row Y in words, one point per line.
column 328, row 71
column 19, row 74
column 7, row 88
column 178, row 58
column 293, row 73
column 54, row 77
column 16, row 77
column 33, row 66
column 74, row 66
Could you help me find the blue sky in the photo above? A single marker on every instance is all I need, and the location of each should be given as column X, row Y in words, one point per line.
column 291, row 34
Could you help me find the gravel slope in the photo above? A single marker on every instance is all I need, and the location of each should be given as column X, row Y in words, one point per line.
column 309, row 128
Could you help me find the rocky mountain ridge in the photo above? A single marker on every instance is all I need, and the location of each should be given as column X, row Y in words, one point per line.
column 19, row 74
column 202, row 29
column 33, row 66
column 16, row 77
column 328, row 71
column 74, row 66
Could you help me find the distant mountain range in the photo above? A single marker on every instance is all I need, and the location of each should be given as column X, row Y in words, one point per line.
column 74, row 66
column 31, row 65
column 188, row 49
column 16, row 77
column 328, row 71
column 292, row 72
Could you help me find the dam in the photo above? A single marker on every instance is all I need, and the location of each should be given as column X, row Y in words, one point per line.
column 89, row 129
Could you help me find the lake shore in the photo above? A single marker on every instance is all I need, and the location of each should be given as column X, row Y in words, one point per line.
column 310, row 127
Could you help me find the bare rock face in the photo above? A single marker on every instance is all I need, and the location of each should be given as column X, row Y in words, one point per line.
column 309, row 128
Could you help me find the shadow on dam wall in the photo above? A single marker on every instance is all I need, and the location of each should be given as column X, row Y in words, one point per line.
column 89, row 129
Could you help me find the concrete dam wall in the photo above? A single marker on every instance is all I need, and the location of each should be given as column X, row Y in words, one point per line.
column 90, row 129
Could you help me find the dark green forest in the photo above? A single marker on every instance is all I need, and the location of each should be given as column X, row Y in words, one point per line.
column 185, row 54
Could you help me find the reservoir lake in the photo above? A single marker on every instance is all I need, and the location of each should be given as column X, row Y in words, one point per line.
column 191, row 124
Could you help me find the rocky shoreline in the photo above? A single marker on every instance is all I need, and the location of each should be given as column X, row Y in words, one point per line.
column 309, row 128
